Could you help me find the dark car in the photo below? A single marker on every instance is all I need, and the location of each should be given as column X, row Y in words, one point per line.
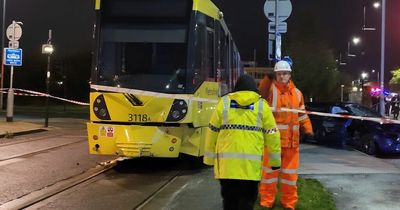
column 368, row 136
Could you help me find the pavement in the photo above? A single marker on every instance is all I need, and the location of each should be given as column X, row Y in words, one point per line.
column 10, row 129
column 355, row 180
column 31, row 120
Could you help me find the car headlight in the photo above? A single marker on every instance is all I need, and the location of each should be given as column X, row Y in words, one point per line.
column 100, row 108
column 178, row 110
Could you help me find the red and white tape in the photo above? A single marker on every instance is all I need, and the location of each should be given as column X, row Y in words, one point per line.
column 40, row 94
column 192, row 98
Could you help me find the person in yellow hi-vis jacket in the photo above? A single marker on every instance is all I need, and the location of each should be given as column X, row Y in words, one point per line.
column 240, row 130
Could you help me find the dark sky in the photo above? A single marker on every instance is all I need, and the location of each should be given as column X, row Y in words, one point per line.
column 72, row 24
column 341, row 20
column 70, row 20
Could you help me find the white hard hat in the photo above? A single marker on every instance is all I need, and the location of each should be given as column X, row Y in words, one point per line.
column 282, row 66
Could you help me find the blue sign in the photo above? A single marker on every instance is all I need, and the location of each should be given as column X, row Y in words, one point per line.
column 13, row 57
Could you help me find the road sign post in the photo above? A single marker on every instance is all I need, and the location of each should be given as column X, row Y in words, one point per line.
column 278, row 44
column 271, row 46
column 12, row 57
column 277, row 11
column 282, row 27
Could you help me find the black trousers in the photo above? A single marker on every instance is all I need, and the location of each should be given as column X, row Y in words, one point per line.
column 238, row 194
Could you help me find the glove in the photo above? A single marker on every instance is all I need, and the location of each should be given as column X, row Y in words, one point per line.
column 275, row 168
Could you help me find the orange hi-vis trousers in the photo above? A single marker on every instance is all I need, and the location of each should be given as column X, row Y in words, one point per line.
column 287, row 176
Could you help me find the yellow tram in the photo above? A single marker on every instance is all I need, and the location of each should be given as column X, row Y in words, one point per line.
column 159, row 66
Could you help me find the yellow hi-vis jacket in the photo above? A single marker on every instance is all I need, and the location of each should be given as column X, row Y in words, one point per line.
column 240, row 128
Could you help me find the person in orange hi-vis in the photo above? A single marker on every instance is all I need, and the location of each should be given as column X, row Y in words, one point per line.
column 282, row 93
column 265, row 84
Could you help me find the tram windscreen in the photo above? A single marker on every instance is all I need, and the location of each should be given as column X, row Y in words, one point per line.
column 143, row 45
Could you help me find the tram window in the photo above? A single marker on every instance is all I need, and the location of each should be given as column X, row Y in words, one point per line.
column 147, row 66
column 210, row 53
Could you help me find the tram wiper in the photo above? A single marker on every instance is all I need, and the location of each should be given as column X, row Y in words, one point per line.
column 133, row 99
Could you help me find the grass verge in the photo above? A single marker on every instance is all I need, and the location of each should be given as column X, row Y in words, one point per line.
column 312, row 195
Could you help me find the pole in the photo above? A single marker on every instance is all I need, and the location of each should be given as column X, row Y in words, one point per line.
column 377, row 78
column 2, row 53
column 46, row 122
column 10, row 98
column 363, row 27
column 382, row 75
column 276, row 27
column 362, row 91
column 348, row 48
column 10, row 92
column 341, row 93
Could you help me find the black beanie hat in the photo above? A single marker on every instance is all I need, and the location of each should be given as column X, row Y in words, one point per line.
column 246, row 82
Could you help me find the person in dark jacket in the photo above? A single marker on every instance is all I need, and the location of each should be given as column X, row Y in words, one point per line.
column 241, row 128
column 395, row 103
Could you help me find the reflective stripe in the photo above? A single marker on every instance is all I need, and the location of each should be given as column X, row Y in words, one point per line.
column 213, row 128
column 267, row 169
column 282, row 127
column 303, row 117
column 239, row 155
column 210, row 154
column 260, row 111
column 269, row 181
column 274, row 156
column 225, row 111
column 285, row 127
column 298, row 94
column 242, row 127
column 289, row 171
column 271, row 131
column 274, row 96
column 288, row 182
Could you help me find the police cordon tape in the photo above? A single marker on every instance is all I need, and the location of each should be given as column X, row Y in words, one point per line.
column 193, row 98
column 40, row 94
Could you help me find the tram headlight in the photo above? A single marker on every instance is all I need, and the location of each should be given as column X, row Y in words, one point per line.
column 100, row 108
column 178, row 110
column 176, row 114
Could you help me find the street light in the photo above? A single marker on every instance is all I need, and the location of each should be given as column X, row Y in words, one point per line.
column 377, row 76
column 47, row 49
column 376, row 5
column 355, row 41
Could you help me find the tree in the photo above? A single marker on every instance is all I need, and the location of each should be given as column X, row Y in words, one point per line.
column 315, row 71
column 395, row 81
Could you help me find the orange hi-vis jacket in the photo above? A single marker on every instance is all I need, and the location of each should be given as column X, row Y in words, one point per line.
column 289, row 123
column 284, row 96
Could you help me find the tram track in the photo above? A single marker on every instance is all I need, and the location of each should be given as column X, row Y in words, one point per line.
column 25, row 140
column 156, row 192
column 43, row 196
column 38, row 151
column 59, row 187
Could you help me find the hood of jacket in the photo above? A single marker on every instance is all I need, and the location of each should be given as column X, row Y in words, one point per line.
column 245, row 82
column 244, row 98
